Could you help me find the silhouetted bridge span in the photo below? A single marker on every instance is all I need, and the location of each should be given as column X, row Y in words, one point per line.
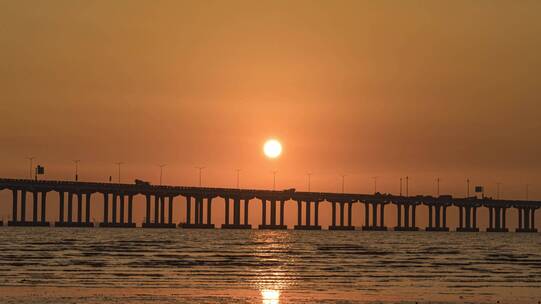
column 117, row 201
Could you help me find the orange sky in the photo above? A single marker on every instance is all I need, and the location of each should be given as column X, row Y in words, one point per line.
column 379, row 88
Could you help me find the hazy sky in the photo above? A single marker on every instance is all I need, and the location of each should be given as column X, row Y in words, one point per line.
column 363, row 88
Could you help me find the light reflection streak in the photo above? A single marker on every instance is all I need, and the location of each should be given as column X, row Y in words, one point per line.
column 270, row 296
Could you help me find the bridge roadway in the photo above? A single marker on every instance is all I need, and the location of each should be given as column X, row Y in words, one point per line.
column 117, row 200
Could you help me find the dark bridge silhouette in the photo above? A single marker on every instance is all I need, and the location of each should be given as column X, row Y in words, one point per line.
column 199, row 201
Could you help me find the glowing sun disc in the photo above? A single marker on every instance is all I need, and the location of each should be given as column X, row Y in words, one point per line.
column 272, row 148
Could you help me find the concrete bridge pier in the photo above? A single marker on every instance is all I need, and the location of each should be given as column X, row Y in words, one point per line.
column 526, row 219
column 467, row 221
column 236, row 214
column 68, row 222
column 20, row 219
column 375, row 226
column 497, row 219
column 341, row 225
column 405, row 211
column 308, row 224
column 274, row 224
column 437, row 218
column 118, row 211
column 159, row 212
column 198, row 213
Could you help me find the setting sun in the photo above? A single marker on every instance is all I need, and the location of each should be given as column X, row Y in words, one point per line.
column 272, row 148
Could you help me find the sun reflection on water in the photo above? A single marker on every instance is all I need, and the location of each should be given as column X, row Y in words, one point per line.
column 270, row 296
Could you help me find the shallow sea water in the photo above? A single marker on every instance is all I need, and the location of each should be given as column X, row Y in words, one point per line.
column 56, row 265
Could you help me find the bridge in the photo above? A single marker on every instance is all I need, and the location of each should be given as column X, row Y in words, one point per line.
column 117, row 202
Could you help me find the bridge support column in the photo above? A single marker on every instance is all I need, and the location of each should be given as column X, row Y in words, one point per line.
column 130, row 210
column 375, row 226
column 62, row 222
column 382, row 217
column 504, row 216
column 226, row 215
column 162, row 209
column 308, row 223
column 350, row 218
column 430, row 226
column 316, row 214
column 147, row 213
column 87, row 209
column 499, row 219
column 118, row 206
column 236, row 211
column 114, row 209
column 246, row 209
column 398, row 217
column 526, row 219
column 439, row 213
column 105, row 210
column 14, row 218
column 532, row 222
column 273, row 211
column 409, row 210
column 333, row 214
column 79, row 208
column 189, row 208
column 413, row 226
column 342, row 225
column 122, row 202
column 467, row 219
column 44, row 209
column 157, row 209
column 366, row 216
column 437, row 210
column 407, row 216
column 34, row 207
column 236, row 214
column 170, row 211
column 20, row 219
column 199, row 208
column 460, row 217
column 159, row 212
column 490, row 218
column 70, row 208
column 209, row 212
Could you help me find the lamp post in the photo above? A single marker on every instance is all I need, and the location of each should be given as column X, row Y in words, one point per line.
column 274, row 180
column 343, row 182
column 118, row 164
column 375, row 184
column 407, row 186
column 161, row 172
column 200, row 173
column 76, row 161
column 309, row 174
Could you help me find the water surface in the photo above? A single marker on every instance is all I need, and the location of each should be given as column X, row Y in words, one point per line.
column 55, row 265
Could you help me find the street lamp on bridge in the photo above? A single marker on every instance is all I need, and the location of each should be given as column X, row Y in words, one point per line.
column 118, row 164
column 343, row 182
column 76, row 161
column 161, row 172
